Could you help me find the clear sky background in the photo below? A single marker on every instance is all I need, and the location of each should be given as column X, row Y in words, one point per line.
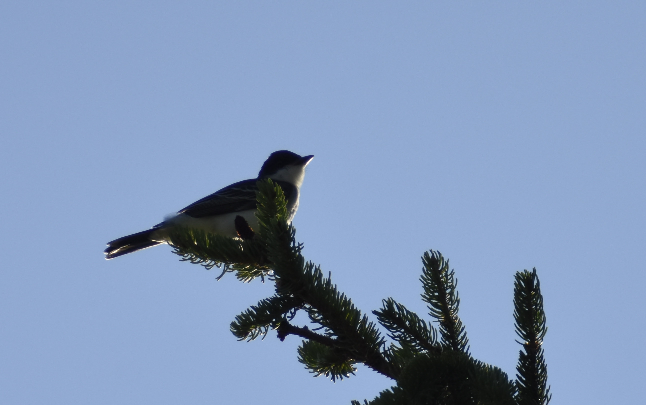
column 507, row 136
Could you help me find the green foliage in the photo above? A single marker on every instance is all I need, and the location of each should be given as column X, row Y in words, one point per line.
column 449, row 378
column 355, row 336
column 443, row 302
column 325, row 360
column 267, row 314
column 244, row 257
column 407, row 328
column 427, row 368
column 531, row 328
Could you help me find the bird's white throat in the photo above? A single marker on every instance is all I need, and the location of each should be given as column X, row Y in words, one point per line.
column 291, row 174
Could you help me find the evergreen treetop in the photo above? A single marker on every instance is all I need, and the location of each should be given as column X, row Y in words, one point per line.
column 429, row 364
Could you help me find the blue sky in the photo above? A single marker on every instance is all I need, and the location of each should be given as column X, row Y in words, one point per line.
column 507, row 136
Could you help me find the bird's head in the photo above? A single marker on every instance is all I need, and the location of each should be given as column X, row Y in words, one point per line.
column 286, row 166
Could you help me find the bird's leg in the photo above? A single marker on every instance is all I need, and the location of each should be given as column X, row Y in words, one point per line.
column 243, row 229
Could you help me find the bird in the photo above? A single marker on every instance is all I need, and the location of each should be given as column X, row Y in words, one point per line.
column 223, row 211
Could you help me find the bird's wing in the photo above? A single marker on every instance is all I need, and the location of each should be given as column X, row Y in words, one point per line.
column 240, row 196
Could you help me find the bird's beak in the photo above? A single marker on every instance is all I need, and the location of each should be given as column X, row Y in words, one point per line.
column 305, row 160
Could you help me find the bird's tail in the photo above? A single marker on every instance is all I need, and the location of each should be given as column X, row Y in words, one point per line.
column 129, row 244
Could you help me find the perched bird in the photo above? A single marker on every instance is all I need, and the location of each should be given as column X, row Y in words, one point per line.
column 223, row 211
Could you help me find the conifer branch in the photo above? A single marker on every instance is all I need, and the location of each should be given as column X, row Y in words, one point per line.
column 285, row 328
column 245, row 257
column 321, row 359
column 440, row 293
column 357, row 337
column 531, row 380
column 268, row 314
column 406, row 327
column 451, row 377
column 425, row 370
